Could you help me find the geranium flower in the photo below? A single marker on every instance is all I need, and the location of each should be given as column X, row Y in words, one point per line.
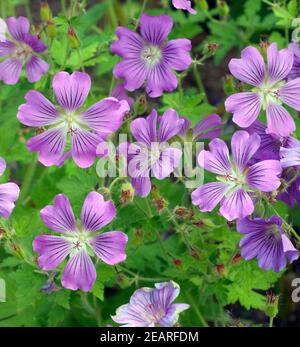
column 79, row 240
column 184, row 5
column 69, row 126
column 290, row 156
column 269, row 92
column 207, row 128
column 21, row 48
column 9, row 194
column 236, row 178
column 265, row 240
column 151, row 307
column 270, row 144
column 152, row 153
column 291, row 193
column 295, row 71
column 149, row 58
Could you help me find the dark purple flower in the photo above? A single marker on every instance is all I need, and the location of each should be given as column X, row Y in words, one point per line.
column 79, row 240
column 184, row 5
column 119, row 93
column 152, row 153
column 291, row 193
column 295, row 71
column 147, row 57
column 21, row 48
column 270, row 144
column 290, row 156
column 207, row 128
column 70, row 126
column 151, row 307
column 269, row 92
column 265, row 240
column 236, row 178
column 9, row 193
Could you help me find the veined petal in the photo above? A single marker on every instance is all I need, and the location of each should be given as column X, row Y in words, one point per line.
column 245, row 107
column 36, row 68
column 250, row 68
column 279, row 63
column 184, row 5
column 52, row 249
column 155, row 29
column 18, row 27
column 9, row 193
column 79, row 273
column 71, row 90
column 38, row 111
column 290, row 93
column 59, row 216
column 290, row 156
column 6, row 47
column 264, row 175
column 207, row 127
column 279, row 120
column 145, row 130
column 169, row 159
column 96, row 213
column 169, row 125
column 141, row 185
column 10, row 70
column 176, row 54
column 129, row 44
column 110, row 247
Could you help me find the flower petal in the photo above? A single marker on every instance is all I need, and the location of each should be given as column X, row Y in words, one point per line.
column 144, row 130
column 119, row 93
column 250, row 68
column 71, row 90
column 206, row 128
column 290, row 156
column 290, row 94
column 50, row 145
column 243, row 147
column 209, row 195
column 6, row 47
column 279, row 63
column 237, row 205
column 216, row 160
column 184, row 5
column 141, row 185
column 129, row 44
column 279, row 120
column 36, row 68
column 96, row 213
column 79, row 273
column 9, row 193
column 245, row 107
column 110, row 247
column 18, row 27
column 169, row 159
column 169, row 125
column 264, row 175
column 2, row 166
column 52, row 249
column 155, row 29
column 176, row 55
column 10, row 70
column 38, row 111
column 59, row 216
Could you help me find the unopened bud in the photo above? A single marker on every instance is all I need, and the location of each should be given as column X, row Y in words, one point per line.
column 271, row 309
column 141, row 105
column 236, row 259
column 72, row 37
column 177, row 262
column 51, row 29
column 127, row 193
column 122, row 280
column 199, row 223
column 159, row 204
column 45, row 11
column 223, row 8
column 202, row 5
column 183, row 213
column 220, row 269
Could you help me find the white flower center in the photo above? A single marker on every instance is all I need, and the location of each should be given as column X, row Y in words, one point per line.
column 151, row 55
column 269, row 93
column 80, row 240
column 22, row 52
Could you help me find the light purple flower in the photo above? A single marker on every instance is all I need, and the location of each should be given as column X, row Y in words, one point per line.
column 236, row 178
column 291, row 193
column 152, row 153
column 21, row 48
column 119, row 93
column 290, row 156
column 270, row 144
column 79, row 240
column 70, row 129
column 184, row 5
column 151, row 307
column 265, row 240
column 149, row 58
column 269, row 92
column 207, row 128
column 9, row 193
column 295, row 71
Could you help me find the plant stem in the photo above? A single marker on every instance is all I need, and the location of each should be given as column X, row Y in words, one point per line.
column 140, row 278
column 80, row 59
column 271, row 322
column 142, row 10
column 27, row 181
column 196, row 309
column 199, row 82
column 112, row 14
column 63, row 7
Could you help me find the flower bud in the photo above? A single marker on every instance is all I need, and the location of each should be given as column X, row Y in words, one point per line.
column 236, row 259
column 159, row 203
column 45, row 11
column 122, row 280
column 72, row 37
column 223, row 8
column 199, row 223
column 51, row 28
column 177, row 262
column 210, row 49
column 220, row 269
column 202, row 5
column 127, row 193
column 183, row 213
column 141, row 105
column 271, row 309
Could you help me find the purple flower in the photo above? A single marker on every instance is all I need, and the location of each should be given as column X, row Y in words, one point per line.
column 150, row 307
column 270, row 144
column 291, row 192
column 119, row 93
column 295, row 71
column 70, row 126
column 147, row 57
column 236, row 178
column 9, row 193
column 207, row 128
column 184, row 5
column 265, row 240
column 152, row 152
column 290, row 156
column 21, row 48
column 269, row 92
column 78, row 240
